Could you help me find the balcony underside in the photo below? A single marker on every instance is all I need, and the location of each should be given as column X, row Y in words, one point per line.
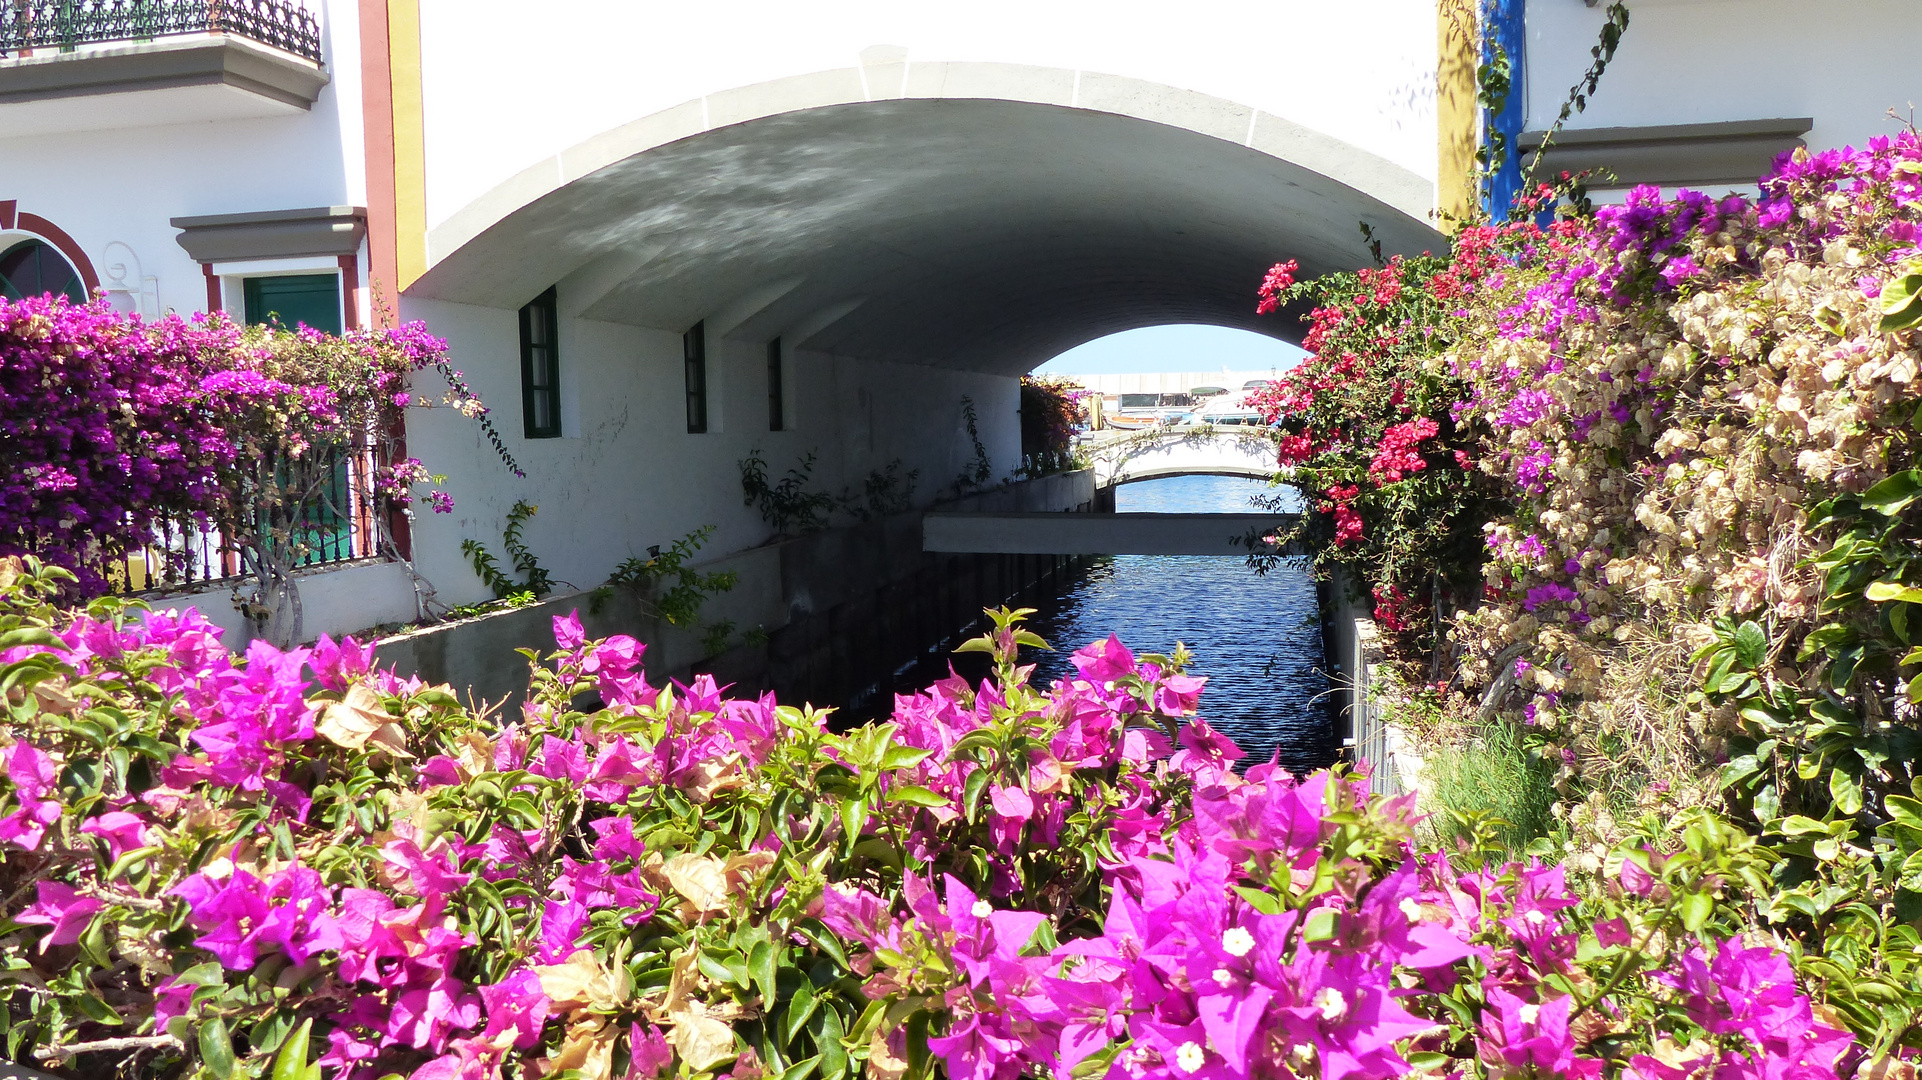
column 175, row 81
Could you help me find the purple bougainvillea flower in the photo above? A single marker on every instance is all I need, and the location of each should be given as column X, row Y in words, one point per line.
column 517, row 1005
column 32, row 774
column 1104, row 662
column 122, row 831
column 60, row 907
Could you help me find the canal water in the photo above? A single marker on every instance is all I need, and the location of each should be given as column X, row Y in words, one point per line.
column 1254, row 637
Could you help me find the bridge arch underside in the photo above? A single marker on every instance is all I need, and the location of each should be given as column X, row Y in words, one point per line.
column 970, row 233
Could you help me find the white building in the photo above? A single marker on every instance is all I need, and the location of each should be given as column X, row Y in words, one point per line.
column 662, row 237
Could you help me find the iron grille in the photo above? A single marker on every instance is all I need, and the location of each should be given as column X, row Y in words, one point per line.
column 64, row 24
column 335, row 526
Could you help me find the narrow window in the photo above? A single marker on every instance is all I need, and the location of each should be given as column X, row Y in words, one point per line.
column 694, row 346
column 540, row 368
column 776, row 403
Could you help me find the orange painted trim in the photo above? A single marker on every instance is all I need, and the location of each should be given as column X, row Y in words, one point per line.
column 377, row 121
column 58, row 237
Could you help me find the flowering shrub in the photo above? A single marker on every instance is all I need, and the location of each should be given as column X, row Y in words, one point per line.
column 1051, row 407
column 1697, row 420
column 292, row 863
column 110, row 425
column 1364, row 429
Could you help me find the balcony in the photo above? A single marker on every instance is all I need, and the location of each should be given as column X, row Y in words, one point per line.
column 80, row 65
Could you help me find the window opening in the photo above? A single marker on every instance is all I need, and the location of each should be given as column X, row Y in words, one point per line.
column 776, row 390
column 33, row 267
column 694, row 347
column 541, row 368
column 294, row 300
column 333, row 520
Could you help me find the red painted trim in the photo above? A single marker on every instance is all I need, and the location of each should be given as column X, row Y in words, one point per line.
column 213, row 287
column 377, row 121
column 6, row 213
column 58, row 237
column 349, row 291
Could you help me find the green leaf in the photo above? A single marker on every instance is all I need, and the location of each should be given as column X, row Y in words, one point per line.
column 1718, row 670
column 1696, row 910
column 1901, row 303
column 1883, row 591
column 1265, row 902
column 1825, row 639
column 1428, row 1062
column 31, row 635
column 216, row 1048
column 800, row 1008
column 761, row 965
column 914, row 795
column 1798, row 825
column 1896, row 492
column 1321, row 924
column 827, row 1038
column 854, row 815
column 291, row 1062
column 1846, row 662
column 1751, row 645
column 1846, row 790
column 1905, row 811
column 980, row 738
column 971, row 795
column 904, row 757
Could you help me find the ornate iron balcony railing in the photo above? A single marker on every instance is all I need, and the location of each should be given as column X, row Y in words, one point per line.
column 64, row 24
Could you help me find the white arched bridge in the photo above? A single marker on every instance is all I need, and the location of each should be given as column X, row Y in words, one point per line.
column 1122, row 459
column 1198, row 450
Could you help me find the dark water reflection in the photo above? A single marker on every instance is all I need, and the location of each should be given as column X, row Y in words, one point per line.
column 1254, row 637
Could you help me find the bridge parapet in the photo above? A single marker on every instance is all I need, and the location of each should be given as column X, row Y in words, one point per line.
column 1203, row 450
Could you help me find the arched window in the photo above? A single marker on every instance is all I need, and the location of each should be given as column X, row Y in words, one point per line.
column 32, row 267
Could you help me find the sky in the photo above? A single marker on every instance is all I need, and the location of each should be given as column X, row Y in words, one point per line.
column 1175, row 348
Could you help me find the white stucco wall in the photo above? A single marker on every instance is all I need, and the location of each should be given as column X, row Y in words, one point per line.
column 122, row 184
column 626, row 474
column 506, row 87
column 1845, row 63
column 335, row 601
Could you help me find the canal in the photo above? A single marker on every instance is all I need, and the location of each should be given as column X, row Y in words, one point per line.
column 1256, row 638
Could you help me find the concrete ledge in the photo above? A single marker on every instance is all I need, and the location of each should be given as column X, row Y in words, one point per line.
column 1094, row 534
column 1727, row 152
column 273, row 234
column 218, row 59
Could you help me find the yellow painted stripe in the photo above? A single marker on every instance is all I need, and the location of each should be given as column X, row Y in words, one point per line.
column 1457, row 116
column 410, row 164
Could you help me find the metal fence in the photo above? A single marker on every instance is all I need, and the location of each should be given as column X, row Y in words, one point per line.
column 65, row 24
column 1373, row 742
column 335, row 525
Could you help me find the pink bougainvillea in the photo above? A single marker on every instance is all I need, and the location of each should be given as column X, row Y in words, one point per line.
column 352, row 869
